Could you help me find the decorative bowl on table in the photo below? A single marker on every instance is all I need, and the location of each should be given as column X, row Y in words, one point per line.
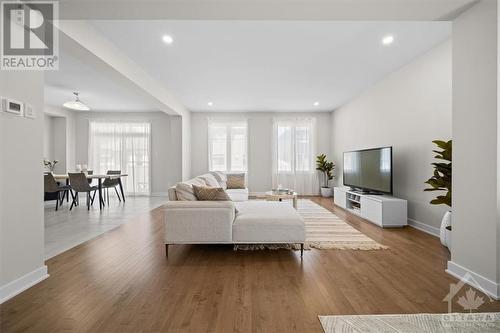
column 282, row 191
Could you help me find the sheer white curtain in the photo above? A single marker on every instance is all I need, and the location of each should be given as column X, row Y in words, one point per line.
column 294, row 151
column 122, row 146
column 227, row 145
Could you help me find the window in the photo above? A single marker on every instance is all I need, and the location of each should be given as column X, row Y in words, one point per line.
column 122, row 146
column 293, row 155
column 227, row 146
column 294, row 146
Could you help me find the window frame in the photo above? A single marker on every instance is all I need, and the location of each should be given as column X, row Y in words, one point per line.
column 228, row 125
column 293, row 124
column 93, row 124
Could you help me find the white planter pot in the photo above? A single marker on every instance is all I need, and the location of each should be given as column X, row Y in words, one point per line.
column 445, row 234
column 326, row 192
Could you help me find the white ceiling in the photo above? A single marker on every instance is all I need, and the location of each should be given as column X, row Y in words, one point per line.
column 308, row 10
column 100, row 87
column 255, row 65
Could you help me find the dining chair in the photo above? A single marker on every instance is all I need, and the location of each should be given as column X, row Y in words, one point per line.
column 50, row 186
column 79, row 183
column 112, row 183
column 90, row 173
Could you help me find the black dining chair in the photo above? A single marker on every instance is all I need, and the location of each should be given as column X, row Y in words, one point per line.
column 79, row 183
column 112, row 183
column 50, row 186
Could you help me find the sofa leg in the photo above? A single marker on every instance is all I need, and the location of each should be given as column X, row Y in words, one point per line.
column 302, row 250
column 166, row 250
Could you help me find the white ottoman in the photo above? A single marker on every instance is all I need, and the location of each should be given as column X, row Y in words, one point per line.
column 267, row 222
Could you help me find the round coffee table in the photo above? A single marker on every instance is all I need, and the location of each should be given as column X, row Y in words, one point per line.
column 280, row 196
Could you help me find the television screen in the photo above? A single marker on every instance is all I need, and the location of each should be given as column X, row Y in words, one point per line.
column 369, row 169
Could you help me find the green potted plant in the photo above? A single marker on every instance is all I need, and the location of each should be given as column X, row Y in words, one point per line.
column 326, row 168
column 441, row 181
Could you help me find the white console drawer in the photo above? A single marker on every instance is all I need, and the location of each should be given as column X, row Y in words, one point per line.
column 371, row 210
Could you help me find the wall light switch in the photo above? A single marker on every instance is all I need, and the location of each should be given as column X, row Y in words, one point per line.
column 29, row 112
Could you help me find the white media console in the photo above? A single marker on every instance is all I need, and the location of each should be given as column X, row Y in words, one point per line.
column 382, row 210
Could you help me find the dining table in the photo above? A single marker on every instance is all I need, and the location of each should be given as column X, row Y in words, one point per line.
column 100, row 178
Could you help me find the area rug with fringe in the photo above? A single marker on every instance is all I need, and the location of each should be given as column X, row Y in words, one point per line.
column 413, row 323
column 324, row 230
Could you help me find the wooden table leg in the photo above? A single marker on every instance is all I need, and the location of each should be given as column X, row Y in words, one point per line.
column 121, row 189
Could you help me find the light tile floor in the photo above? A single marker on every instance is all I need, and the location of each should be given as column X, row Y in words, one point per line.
column 66, row 229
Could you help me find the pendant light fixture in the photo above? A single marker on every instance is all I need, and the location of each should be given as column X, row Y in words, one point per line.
column 76, row 104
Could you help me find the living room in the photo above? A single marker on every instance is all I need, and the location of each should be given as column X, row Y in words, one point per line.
column 221, row 113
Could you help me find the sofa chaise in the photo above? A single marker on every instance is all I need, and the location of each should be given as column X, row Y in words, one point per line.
column 230, row 222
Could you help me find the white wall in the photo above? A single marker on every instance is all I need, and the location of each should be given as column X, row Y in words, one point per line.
column 498, row 144
column 65, row 123
column 54, row 141
column 48, row 137
column 475, row 234
column 59, row 144
column 406, row 110
column 21, row 186
column 260, row 127
column 166, row 132
column 186, row 144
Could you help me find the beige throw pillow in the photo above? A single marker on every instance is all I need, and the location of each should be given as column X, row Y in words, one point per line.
column 206, row 193
column 236, row 181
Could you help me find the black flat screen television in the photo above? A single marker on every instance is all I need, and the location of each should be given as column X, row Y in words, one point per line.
column 369, row 170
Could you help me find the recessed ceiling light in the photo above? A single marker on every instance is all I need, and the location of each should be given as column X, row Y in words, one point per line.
column 388, row 40
column 210, row 103
column 167, row 39
column 316, row 103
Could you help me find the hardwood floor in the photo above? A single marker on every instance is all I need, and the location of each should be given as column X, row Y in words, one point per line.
column 66, row 229
column 122, row 282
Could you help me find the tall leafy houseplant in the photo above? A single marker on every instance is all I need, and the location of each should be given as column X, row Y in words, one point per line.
column 326, row 167
column 441, row 181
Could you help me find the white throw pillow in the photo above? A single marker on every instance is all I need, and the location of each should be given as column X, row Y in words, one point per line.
column 210, row 180
column 220, row 177
column 184, row 190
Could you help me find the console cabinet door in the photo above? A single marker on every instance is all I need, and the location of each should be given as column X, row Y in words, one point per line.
column 339, row 198
column 371, row 210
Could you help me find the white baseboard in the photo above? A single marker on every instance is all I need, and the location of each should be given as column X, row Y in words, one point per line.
column 19, row 285
column 424, row 227
column 479, row 282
